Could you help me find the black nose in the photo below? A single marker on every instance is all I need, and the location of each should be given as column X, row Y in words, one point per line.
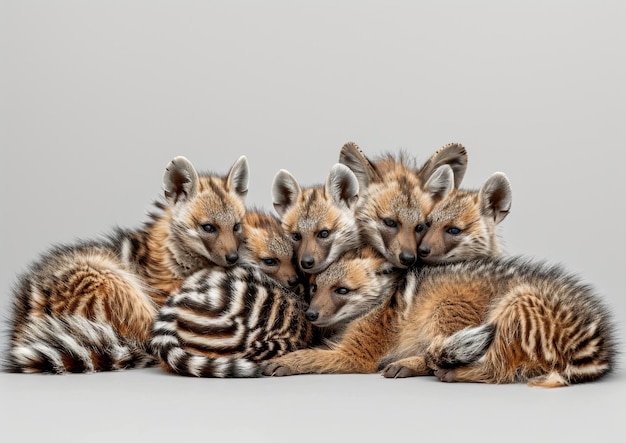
column 293, row 281
column 312, row 314
column 307, row 262
column 424, row 251
column 232, row 257
column 407, row 258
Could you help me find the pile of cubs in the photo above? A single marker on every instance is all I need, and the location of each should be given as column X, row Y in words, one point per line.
column 387, row 267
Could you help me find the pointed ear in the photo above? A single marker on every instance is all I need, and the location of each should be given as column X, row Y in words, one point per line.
column 285, row 191
column 342, row 186
column 495, row 197
column 180, row 181
column 440, row 183
column 238, row 177
column 452, row 154
column 352, row 156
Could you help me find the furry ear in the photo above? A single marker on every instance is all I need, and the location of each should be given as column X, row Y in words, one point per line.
column 342, row 186
column 239, row 176
column 352, row 156
column 452, row 154
column 440, row 182
column 285, row 191
column 180, row 181
column 495, row 197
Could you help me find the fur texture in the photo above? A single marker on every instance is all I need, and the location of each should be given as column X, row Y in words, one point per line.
column 396, row 196
column 119, row 282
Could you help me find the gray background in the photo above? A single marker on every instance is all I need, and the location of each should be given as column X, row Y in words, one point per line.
column 96, row 98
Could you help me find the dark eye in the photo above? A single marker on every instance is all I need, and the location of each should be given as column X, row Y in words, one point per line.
column 296, row 236
column 208, row 227
column 389, row 222
column 420, row 227
column 453, row 230
column 342, row 291
column 270, row 261
column 237, row 227
column 313, row 288
column 323, row 233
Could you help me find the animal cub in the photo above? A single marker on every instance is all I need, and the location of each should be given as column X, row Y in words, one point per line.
column 267, row 246
column 505, row 320
column 89, row 306
column 396, row 196
column 492, row 320
column 464, row 226
column 318, row 219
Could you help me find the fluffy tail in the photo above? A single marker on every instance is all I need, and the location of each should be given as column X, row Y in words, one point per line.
column 463, row 347
column 64, row 344
column 166, row 344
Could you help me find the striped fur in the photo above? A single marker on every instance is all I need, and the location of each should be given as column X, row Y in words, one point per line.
column 119, row 281
column 521, row 321
column 532, row 322
column 223, row 322
column 319, row 219
column 71, row 343
column 397, row 195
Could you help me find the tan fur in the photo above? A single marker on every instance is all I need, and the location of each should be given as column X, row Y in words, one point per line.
column 397, row 196
column 463, row 226
column 268, row 247
column 120, row 281
column 550, row 329
column 319, row 219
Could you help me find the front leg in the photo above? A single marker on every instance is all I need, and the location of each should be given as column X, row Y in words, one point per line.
column 407, row 367
column 318, row 361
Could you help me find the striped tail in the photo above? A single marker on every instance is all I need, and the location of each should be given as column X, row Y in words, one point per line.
column 62, row 344
column 463, row 347
column 167, row 345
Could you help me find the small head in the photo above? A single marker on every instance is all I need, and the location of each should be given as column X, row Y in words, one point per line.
column 398, row 196
column 319, row 220
column 350, row 287
column 207, row 212
column 464, row 225
column 267, row 246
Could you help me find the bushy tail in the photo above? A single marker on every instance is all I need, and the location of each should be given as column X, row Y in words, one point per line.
column 167, row 345
column 463, row 347
column 61, row 344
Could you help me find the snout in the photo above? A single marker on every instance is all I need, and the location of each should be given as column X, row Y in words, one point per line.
column 307, row 261
column 312, row 314
column 407, row 258
column 231, row 257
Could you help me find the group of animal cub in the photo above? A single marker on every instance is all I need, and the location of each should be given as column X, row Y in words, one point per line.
column 387, row 267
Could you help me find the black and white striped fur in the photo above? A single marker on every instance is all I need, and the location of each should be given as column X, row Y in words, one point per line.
column 72, row 343
column 222, row 322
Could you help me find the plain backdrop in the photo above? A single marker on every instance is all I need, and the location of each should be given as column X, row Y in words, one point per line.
column 97, row 97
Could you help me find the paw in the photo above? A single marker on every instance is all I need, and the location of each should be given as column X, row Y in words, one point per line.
column 397, row 371
column 276, row 370
column 447, row 375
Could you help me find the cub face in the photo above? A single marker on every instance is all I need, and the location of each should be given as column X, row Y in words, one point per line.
column 206, row 212
column 267, row 246
column 396, row 197
column 464, row 225
column 320, row 219
column 354, row 284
